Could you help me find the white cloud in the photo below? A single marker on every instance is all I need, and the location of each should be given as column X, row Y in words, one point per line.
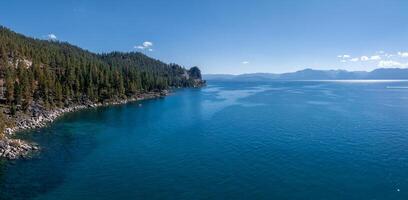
column 145, row 45
column 52, row 36
column 384, row 54
column 364, row 58
column 343, row 56
column 245, row 62
column 403, row 54
column 391, row 63
column 376, row 57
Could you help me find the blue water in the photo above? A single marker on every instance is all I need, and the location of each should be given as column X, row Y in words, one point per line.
column 230, row 140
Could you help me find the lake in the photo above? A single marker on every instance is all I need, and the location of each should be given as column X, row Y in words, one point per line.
column 230, row 140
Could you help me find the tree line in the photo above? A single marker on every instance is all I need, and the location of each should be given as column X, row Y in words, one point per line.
column 57, row 74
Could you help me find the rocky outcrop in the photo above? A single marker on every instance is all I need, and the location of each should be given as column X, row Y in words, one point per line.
column 199, row 83
column 14, row 148
column 43, row 118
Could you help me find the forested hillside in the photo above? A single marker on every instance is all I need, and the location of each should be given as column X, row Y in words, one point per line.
column 50, row 74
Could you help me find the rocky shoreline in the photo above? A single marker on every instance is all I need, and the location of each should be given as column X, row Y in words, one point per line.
column 14, row 148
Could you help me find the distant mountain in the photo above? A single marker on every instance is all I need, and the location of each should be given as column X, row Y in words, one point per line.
column 311, row 74
column 394, row 73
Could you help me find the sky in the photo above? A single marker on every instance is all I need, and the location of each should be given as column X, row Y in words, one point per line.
column 227, row 36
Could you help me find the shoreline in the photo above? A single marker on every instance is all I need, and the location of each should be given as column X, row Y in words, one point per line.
column 12, row 149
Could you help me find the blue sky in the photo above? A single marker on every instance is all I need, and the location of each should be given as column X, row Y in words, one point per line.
column 227, row 36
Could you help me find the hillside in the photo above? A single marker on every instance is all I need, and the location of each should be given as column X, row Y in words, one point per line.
column 40, row 75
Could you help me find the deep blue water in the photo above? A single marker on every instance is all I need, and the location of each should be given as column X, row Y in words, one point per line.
column 277, row 140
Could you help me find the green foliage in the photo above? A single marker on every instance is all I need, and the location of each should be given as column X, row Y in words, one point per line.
column 3, row 124
column 56, row 73
column 9, row 85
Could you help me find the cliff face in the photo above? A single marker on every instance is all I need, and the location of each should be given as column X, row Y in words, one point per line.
column 195, row 74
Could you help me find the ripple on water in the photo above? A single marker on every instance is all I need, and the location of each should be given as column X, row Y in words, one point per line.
column 278, row 140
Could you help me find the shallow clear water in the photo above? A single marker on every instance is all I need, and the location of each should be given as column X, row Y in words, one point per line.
column 276, row 140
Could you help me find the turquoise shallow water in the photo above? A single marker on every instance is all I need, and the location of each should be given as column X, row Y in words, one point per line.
column 276, row 140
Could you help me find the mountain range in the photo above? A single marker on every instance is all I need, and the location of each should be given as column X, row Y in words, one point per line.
column 312, row 74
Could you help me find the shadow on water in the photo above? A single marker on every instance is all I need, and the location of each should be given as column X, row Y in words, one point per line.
column 66, row 141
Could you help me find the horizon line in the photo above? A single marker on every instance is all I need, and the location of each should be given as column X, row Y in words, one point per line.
column 277, row 73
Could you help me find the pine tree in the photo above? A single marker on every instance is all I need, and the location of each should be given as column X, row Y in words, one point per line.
column 9, row 85
column 18, row 93
column 3, row 124
column 58, row 94
column 3, row 57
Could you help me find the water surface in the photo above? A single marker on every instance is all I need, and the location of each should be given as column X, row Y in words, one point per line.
column 264, row 140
